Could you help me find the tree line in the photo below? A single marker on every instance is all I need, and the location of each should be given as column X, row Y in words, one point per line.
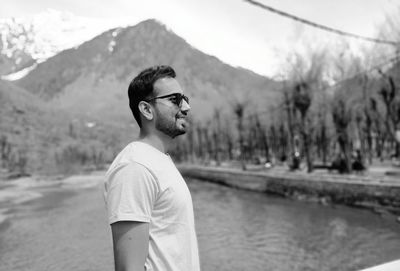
column 333, row 126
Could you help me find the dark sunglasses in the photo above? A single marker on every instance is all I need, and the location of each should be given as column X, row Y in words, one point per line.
column 176, row 98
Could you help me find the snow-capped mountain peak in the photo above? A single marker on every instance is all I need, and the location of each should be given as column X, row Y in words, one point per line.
column 27, row 41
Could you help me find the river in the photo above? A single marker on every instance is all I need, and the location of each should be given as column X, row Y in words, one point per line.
column 64, row 227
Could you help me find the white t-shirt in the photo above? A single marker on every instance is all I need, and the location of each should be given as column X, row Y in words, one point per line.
column 143, row 184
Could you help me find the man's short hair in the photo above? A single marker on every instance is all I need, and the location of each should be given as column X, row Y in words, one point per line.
column 142, row 86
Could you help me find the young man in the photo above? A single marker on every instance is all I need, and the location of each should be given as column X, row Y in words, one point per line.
column 149, row 205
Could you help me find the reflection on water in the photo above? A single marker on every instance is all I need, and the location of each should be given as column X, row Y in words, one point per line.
column 238, row 230
column 241, row 230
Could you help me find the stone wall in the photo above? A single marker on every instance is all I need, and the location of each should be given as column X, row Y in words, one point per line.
column 380, row 195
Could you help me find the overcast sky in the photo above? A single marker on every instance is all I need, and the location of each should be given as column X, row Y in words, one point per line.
column 233, row 30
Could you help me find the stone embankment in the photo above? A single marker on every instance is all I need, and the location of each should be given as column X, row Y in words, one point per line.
column 380, row 193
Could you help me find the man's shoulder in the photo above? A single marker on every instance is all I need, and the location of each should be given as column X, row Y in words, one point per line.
column 145, row 154
column 133, row 170
column 136, row 152
column 130, row 153
column 129, row 172
column 123, row 158
column 139, row 149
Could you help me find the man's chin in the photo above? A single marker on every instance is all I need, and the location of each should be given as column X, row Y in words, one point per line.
column 180, row 132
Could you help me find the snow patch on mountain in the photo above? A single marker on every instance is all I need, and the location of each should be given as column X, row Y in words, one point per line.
column 111, row 46
column 19, row 74
column 112, row 43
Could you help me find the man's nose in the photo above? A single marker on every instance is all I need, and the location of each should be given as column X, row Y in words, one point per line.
column 185, row 107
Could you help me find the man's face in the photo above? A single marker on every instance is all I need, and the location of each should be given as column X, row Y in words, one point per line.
column 170, row 118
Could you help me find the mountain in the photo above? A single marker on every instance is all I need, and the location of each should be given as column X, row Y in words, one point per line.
column 25, row 42
column 91, row 80
column 35, row 136
column 26, row 128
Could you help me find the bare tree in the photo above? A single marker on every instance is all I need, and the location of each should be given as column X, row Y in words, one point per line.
column 305, row 77
column 341, row 118
column 263, row 138
column 302, row 102
column 238, row 109
column 391, row 100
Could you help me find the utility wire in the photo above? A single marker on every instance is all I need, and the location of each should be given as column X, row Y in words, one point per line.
column 323, row 27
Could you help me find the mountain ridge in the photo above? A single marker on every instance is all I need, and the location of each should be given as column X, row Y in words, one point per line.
column 117, row 55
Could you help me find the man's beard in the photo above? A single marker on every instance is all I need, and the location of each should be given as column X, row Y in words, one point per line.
column 168, row 127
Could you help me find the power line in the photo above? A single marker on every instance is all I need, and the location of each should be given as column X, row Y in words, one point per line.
column 323, row 27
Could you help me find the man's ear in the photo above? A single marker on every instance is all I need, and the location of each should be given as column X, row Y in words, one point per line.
column 146, row 110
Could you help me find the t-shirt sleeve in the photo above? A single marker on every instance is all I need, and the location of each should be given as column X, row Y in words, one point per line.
column 132, row 192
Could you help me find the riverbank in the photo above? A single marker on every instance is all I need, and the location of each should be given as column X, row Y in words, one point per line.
column 375, row 190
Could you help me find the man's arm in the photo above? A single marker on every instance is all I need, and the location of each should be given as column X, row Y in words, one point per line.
column 131, row 245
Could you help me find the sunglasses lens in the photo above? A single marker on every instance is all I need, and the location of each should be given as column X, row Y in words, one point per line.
column 179, row 97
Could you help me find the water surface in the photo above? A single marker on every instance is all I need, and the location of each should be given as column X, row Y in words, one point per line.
column 240, row 230
column 67, row 229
